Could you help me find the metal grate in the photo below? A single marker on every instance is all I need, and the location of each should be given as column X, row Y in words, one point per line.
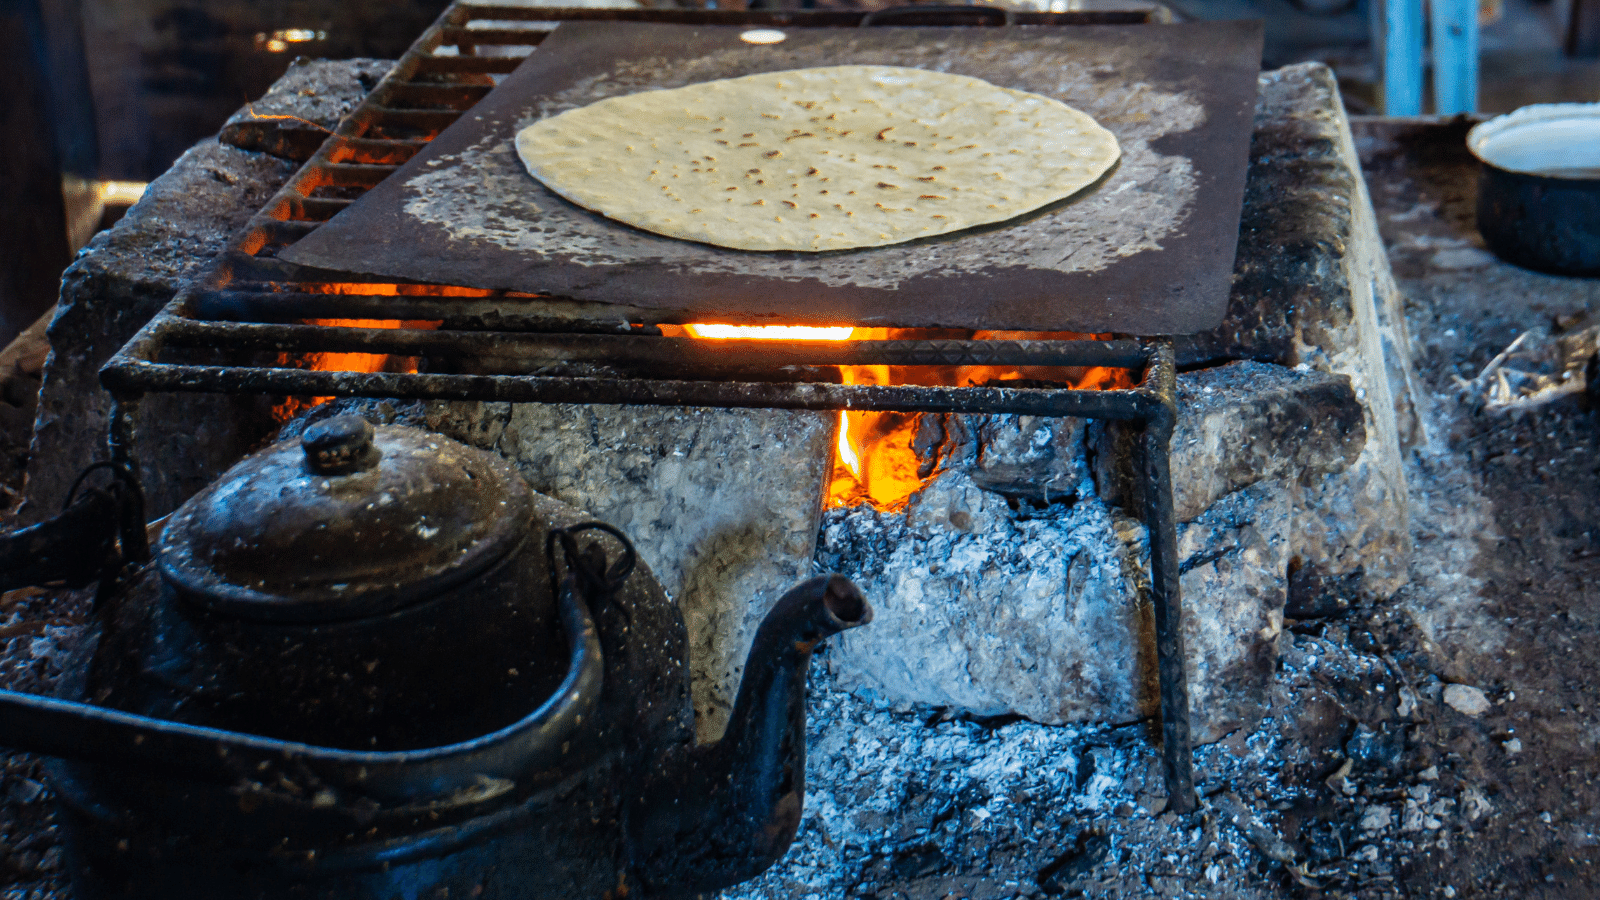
column 238, row 329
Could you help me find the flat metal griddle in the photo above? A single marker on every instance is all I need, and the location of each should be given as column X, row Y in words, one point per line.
column 1147, row 251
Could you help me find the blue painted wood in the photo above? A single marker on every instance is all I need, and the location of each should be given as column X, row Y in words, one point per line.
column 1402, row 57
column 1455, row 56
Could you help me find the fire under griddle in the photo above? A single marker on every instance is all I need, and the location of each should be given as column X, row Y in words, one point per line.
column 1147, row 250
column 249, row 323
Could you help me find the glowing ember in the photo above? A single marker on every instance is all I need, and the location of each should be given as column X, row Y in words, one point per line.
column 350, row 362
column 771, row 332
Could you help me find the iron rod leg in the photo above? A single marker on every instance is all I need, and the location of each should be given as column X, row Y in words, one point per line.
column 120, row 444
column 120, row 431
column 1176, row 748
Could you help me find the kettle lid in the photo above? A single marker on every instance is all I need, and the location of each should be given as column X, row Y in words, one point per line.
column 345, row 522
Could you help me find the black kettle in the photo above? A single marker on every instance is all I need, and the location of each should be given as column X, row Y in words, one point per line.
column 371, row 663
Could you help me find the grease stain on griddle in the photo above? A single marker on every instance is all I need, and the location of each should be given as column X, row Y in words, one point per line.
column 483, row 193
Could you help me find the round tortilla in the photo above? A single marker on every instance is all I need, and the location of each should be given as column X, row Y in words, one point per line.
column 818, row 159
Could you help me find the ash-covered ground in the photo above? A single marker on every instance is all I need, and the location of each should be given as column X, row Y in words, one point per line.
column 1406, row 752
column 40, row 635
column 1337, row 793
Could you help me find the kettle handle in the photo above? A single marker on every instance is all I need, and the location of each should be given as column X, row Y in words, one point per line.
column 542, row 739
column 99, row 531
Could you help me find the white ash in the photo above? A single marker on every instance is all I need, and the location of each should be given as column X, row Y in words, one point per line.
column 960, row 580
column 910, row 802
column 999, row 606
column 908, row 799
column 1446, row 600
column 1466, row 699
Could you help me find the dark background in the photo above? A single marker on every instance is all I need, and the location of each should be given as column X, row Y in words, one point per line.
column 117, row 89
column 165, row 73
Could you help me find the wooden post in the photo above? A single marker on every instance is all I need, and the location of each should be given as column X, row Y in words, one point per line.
column 1583, row 29
column 1455, row 56
column 1402, row 57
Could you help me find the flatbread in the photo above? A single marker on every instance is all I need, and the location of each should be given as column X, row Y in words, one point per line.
column 818, row 159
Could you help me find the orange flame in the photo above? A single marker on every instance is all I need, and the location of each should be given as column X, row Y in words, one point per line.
column 290, row 407
column 874, row 460
column 350, row 362
column 771, row 332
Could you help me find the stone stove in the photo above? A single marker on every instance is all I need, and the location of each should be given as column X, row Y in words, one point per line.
column 1286, row 461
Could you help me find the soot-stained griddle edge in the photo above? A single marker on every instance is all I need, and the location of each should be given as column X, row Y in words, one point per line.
column 1181, row 287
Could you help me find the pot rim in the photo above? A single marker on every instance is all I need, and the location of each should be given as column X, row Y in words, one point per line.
column 1570, row 122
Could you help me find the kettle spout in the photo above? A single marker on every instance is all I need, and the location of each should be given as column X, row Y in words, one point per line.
column 735, row 811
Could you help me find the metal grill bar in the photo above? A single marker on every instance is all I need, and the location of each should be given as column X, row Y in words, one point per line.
column 797, row 18
column 132, row 377
column 653, row 350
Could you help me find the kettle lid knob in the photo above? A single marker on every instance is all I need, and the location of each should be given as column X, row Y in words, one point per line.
column 339, row 446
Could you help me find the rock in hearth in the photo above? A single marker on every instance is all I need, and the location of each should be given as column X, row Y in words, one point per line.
column 292, row 118
column 1239, row 424
column 1313, row 287
column 129, row 272
column 993, row 607
column 1466, row 699
column 118, row 282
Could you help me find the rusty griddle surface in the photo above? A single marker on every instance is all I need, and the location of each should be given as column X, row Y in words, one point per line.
column 1148, row 250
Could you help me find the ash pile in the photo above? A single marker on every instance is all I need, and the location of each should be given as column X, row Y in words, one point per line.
column 1014, row 581
column 918, row 802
